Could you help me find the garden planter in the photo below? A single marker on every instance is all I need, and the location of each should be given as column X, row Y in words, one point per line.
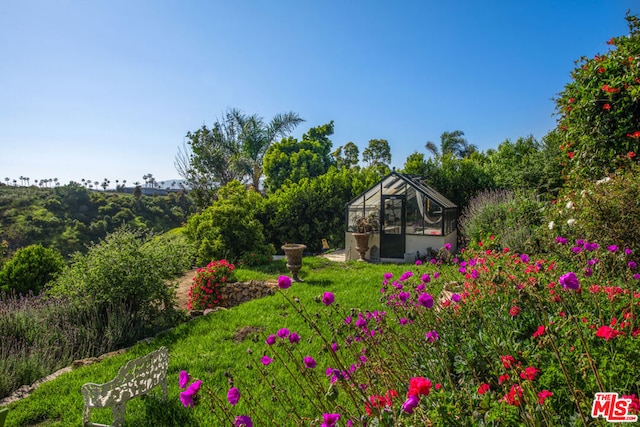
column 293, row 252
column 362, row 244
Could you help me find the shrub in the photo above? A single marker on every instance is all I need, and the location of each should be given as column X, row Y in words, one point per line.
column 122, row 269
column 175, row 249
column 30, row 269
column 502, row 218
column 208, row 283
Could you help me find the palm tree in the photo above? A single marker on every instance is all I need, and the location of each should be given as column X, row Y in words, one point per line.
column 255, row 137
column 452, row 143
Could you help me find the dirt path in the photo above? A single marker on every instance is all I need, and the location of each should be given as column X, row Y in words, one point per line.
column 184, row 283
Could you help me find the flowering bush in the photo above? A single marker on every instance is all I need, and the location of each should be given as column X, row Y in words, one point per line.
column 501, row 339
column 207, row 284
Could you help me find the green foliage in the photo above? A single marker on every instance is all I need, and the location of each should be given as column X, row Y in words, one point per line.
column 347, row 156
column 291, row 160
column 599, row 118
column 122, row 269
column 313, row 209
column 525, row 164
column 208, row 283
column 228, row 229
column 451, row 143
column 501, row 218
column 377, row 156
column 606, row 211
column 30, row 269
column 415, row 165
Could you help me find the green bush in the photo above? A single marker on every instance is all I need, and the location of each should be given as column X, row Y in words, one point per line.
column 176, row 250
column 30, row 269
column 121, row 269
column 502, row 218
column 228, row 229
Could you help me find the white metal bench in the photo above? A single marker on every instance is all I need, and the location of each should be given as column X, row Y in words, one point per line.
column 135, row 378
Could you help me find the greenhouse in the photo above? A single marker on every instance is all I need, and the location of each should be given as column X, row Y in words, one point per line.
column 402, row 218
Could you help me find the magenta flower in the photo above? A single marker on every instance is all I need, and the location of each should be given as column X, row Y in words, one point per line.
column 632, row 264
column 233, row 395
column 636, row 276
column 588, row 272
column 447, row 246
column 569, row 281
column 328, row 298
column 271, row 339
column 334, row 347
column 455, row 297
column 627, row 251
column 403, row 321
column 561, row 240
column 309, row 362
column 432, row 336
column 187, row 396
column 243, row 421
column 436, row 275
column 425, row 300
column 524, row 258
column 410, row 404
column 266, row 360
column 426, row 278
column 283, row 333
column 388, row 276
column 403, row 296
column 576, row 249
column 418, row 262
column 591, row 246
column 294, row 338
column 183, row 379
column 284, row 282
column 330, row 420
column 406, row 275
column 612, row 248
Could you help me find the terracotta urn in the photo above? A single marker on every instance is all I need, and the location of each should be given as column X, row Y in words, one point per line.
column 293, row 252
column 362, row 244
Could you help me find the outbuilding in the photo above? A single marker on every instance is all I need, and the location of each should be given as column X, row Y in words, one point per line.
column 402, row 217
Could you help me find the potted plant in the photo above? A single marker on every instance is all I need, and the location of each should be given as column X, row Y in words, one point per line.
column 365, row 225
column 293, row 252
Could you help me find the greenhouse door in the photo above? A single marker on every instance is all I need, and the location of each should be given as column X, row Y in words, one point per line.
column 393, row 225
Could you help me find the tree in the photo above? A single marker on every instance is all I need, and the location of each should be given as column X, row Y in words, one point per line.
column 599, row 110
column 451, row 143
column 415, row 165
column 291, row 160
column 377, row 155
column 350, row 157
column 30, row 269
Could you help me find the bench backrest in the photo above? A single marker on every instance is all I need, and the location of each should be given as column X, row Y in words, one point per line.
column 137, row 377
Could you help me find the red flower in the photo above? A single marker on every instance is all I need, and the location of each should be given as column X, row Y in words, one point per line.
column 539, row 332
column 606, row 333
column 514, row 311
column 507, row 361
column 543, row 395
column 631, row 154
column 610, row 89
column 606, row 107
column 419, row 386
column 484, row 387
column 529, row 373
column 571, row 154
column 636, row 134
column 601, row 70
column 503, row 378
column 514, row 397
column 611, row 41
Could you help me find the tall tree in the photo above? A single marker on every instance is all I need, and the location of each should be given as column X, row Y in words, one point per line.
column 377, row 156
column 451, row 143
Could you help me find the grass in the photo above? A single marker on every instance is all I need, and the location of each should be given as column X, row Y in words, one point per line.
column 211, row 347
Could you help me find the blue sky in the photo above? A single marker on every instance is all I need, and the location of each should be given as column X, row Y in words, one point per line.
column 100, row 89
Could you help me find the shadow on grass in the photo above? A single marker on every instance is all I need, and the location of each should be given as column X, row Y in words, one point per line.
column 157, row 412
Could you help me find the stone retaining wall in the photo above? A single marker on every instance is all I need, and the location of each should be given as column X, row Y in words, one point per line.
column 236, row 293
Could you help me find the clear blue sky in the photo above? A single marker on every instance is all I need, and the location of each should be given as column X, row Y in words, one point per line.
column 108, row 88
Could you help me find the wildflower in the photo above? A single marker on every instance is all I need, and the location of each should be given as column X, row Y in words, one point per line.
column 403, row 296
column 403, row 321
column 271, row 339
column 561, row 240
column 588, row 272
column 507, row 361
column 447, row 246
column 425, row 300
column 309, row 362
column 632, row 265
column 628, row 251
column 266, row 360
column 187, row 396
column 419, row 386
column 612, row 248
column 593, row 261
column 283, row 333
column 284, row 282
column 571, row 222
column 183, row 379
column 388, row 276
column 576, row 249
column 606, row 333
column 233, row 395
column 243, row 421
column 432, row 336
column 418, row 262
column 514, row 397
column 410, row 404
column 334, row 347
column 484, row 387
column 543, row 395
column 524, row 258
column 330, row 420
column 514, row 311
column 591, row 246
column 606, row 107
column 539, row 332
column 455, row 297
column 503, row 378
column 436, row 275
column 328, row 298
column 569, row 281
column 294, row 338
column 406, row 275
column 426, row 278
column 551, row 225
column 529, row 373
column 631, row 154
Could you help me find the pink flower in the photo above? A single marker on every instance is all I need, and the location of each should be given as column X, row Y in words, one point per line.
column 183, row 379
column 284, row 282
column 309, row 362
column 187, row 396
column 419, row 386
column 425, row 300
column 328, row 298
column 507, row 361
column 539, row 332
column 514, row 311
column 233, row 395
column 447, row 246
column 294, row 338
column 266, row 360
column 271, row 339
column 283, row 333
column 543, row 395
column 410, row 404
column 243, row 421
column 514, row 397
column 330, row 420
column 484, row 387
column 529, row 373
column 569, row 281
column 432, row 336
